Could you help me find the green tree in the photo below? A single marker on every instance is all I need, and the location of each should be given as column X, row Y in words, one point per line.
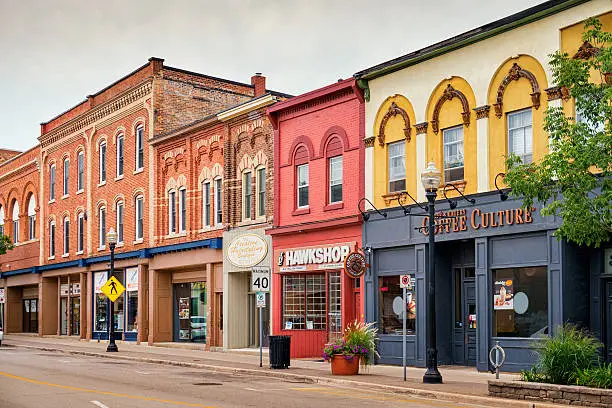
column 573, row 181
column 5, row 244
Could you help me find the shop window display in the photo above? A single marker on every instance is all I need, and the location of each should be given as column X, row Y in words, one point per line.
column 391, row 306
column 520, row 302
column 304, row 302
column 101, row 303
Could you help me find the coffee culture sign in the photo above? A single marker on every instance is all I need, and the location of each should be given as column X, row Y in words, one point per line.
column 247, row 250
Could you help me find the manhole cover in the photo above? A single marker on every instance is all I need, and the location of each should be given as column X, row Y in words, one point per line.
column 207, row 383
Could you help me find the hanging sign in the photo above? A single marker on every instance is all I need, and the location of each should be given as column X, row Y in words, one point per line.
column 503, row 295
column 355, row 264
column 131, row 279
column 247, row 250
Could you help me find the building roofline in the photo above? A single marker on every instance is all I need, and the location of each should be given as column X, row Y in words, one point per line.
column 195, row 125
column 483, row 32
column 317, row 93
column 229, row 81
column 19, row 155
column 261, row 101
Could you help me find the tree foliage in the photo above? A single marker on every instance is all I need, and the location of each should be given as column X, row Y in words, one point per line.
column 5, row 244
column 573, row 181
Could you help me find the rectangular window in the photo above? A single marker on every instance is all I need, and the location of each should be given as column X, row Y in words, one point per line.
column 119, row 305
column 101, row 303
column 206, row 203
column 335, row 179
column 102, row 162
column 52, row 239
column 80, row 232
column 52, row 183
column 15, row 231
column 261, row 192
column 120, row 149
column 390, row 320
column 81, row 171
column 520, row 139
column 120, row 222
column 66, row 236
column 1, row 230
column 453, row 154
column 102, row 227
column 172, row 212
column 397, row 166
column 247, row 194
column 132, row 310
column 139, row 147
column 520, row 302
column 32, row 226
column 66, row 174
column 304, row 302
column 218, row 202
column 595, row 124
column 302, row 185
column 183, row 209
column 139, row 217
column 334, row 304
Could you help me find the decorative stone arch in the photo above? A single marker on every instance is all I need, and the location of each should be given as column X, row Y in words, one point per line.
column 260, row 159
column 137, row 192
column 393, row 111
column 119, row 131
column 101, row 203
column 29, row 191
column 449, row 94
column 78, row 211
column 139, row 121
column 301, row 141
column 80, row 148
column 204, row 175
column 99, row 140
column 52, row 162
column 334, row 132
column 181, row 181
column 171, row 184
column 65, row 156
column 12, row 198
column 118, row 197
column 51, row 218
column 514, row 74
column 217, row 171
column 65, row 214
column 245, row 164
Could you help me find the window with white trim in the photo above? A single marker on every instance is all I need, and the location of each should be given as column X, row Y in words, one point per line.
column 32, row 218
column 80, row 171
column 66, row 176
column 247, row 195
column 206, row 203
column 302, row 185
column 102, row 227
column 397, row 166
column 183, row 209
column 453, row 153
column 218, row 201
column 120, row 151
column 80, row 232
column 16, row 222
column 335, row 179
column 261, row 191
column 52, row 182
column 52, row 239
column 119, row 209
column 139, row 147
column 102, row 163
column 66, row 235
column 172, row 212
column 520, row 137
column 139, row 217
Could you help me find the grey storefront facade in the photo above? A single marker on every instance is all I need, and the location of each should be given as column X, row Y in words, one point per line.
column 501, row 275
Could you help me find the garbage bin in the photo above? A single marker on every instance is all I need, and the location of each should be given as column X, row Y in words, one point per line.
column 280, row 351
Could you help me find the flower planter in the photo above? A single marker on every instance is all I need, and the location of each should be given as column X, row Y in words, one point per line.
column 342, row 365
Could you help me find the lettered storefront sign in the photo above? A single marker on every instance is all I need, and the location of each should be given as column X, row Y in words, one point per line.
column 330, row 256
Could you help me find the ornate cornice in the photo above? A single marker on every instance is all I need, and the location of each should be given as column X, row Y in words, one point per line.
column 448, row 94
column 482, row 112
column 393, row 111
column 421, row 128
column 389, row 198
column 369, row 141
column 586, row 51
column 515, row 73
column 557, row 92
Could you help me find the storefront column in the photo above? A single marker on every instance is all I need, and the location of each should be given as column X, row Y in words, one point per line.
column 210, row 295
column 59, row 305
column 483, row 314
column 69, row 311
column 143, row 304
column 482, row 147
column 152, row 311
column 13, row 310
column 83, row 304
column 420, row 258
column 555, row 282
column 89, row 304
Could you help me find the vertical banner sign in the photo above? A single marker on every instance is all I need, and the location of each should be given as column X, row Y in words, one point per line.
column 99, row 281
column 503, row 298
column 131, row 279
column 404, row 284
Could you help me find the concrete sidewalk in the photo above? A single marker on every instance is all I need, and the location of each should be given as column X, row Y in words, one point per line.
column 461, row 384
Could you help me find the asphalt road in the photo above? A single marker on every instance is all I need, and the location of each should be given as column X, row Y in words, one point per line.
column 30, row 378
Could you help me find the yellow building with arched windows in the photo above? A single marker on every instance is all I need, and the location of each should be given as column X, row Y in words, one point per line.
column 466, row 103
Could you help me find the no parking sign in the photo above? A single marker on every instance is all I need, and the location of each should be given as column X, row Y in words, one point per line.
column 405, row 281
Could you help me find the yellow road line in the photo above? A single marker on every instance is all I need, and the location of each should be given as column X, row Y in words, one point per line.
column 112, row 394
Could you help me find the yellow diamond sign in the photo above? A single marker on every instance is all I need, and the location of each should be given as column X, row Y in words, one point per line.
column 113, row 289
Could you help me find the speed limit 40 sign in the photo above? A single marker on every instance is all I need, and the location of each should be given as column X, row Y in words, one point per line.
column 405, row 281
column 260, row 280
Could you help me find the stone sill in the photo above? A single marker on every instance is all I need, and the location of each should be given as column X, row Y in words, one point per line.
column 558, row 394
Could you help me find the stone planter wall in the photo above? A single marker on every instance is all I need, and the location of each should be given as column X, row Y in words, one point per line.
column 559, row 394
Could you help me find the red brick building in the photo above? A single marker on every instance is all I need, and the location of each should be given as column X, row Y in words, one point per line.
column 318, row 167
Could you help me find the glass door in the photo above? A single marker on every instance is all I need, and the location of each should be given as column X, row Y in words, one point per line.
column 75, row 314
column 334, row 311
column 64, row 316
column 30, row 315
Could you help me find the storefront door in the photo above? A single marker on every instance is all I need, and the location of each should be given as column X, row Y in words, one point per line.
column 464, row 331
column 334, row 306
column 190, row 312
column 608, row 318
column 75, row 316
column 64, row 316
column 254, row 321
column 30, row 315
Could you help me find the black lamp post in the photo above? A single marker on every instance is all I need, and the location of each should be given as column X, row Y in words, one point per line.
column 111, row 238
column 430, row 178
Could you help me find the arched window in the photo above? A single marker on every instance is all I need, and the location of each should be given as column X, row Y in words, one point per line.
column 102, row 228
column 301, row 176
column 32, row 217
column 80, row 171
column 102, row 163
column 1, row 220
column 206, row 203
column 52, row 183
column 139, row 217
column 139, row 147
column 260, row 186
column 333, row 153
column 66, row 176
column 66, row 236
column 182, row 209
column 52, row 240
column 218, row 201
column 247, row 194
column 15, row 222
column 119, row 209
column 120, row 151
column 80, row 233
column 172, row 212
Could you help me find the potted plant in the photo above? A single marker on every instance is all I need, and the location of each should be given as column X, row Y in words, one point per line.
column 357, row 345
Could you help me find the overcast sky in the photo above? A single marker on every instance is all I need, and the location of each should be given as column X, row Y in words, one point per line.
column 55, row 52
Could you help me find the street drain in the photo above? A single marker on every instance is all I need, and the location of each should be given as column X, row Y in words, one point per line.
column 207, row 383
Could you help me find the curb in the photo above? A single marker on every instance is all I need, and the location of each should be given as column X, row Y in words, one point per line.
column 309, row 379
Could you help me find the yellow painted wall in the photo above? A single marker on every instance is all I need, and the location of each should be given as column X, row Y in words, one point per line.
column 450, row 116
column 516, row 97
column 394, row 131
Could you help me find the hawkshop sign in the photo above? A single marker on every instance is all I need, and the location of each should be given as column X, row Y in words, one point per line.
column 313, row 258
column 475, row 219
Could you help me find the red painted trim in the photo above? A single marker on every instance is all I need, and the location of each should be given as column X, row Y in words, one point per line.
column 301, row 140
column 338, row 222
column 276, row 175
column 301, row 211
column 334, row 206
column 362, row 150
column 329, row 133
column 317, row 93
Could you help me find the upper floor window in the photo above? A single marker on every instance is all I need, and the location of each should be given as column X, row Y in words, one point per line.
column 66, row 175
column 102, row 227
column 16, row 222
column 66, row 236
column 80, row 171
column 520, row 138
column 120, row 208
column 172, row 212
column 52, row 239
column 206, row 203
column 594, row 125
column 397, row 166
column 32, row 218
column 1, row 221
column 120, row 149
column 80, row 232
column 218, row 202
column 453, row 153
column 261, row 192
column 247, row 195
column 335, row 179
column 139, row 147
column 183, row 209
column 52, row 182
column 139, row 217
column 102, row 162
column 302, row 185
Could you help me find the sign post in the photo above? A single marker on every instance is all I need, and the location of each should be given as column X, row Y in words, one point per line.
column 404, row 284
column 260, row 283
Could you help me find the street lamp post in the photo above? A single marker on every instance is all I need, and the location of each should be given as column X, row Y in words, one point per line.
column 430, row 178
column 111, row 238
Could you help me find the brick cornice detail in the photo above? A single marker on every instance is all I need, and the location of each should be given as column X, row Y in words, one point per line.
column 482, row 112
column 421, row 128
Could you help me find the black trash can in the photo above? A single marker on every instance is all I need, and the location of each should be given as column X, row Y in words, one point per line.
column 280, row 351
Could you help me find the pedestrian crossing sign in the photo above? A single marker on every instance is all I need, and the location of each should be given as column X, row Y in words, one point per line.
column 112, row 289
